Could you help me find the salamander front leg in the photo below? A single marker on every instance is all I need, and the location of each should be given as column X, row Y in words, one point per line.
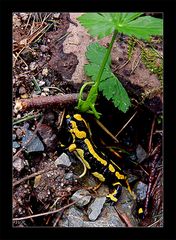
column 114, row 196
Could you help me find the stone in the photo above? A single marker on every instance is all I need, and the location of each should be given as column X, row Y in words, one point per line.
column 73, row 218
column 140, row 190
column 16, row 145
column 95, row 208
column 64, row 160
column 140, row 153
column 18, row 164
column 79, row 195
column 35, row 145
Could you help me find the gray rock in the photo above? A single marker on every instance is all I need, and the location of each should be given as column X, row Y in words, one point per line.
column 14, row 137
column 64, row 160
column 140, row 190
column 16, row 145
column 140, row 153
column 79, row 195
column 126, row 204
column 109, row 218
column 19, row 133
column 69, row 176
column 95, row 208
column 22, row 90
column 56, row 15
column 73, row 218
column 18, row 164
column 33, row 66
column 35, row 145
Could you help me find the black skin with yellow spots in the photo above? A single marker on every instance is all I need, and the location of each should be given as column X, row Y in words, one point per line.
column 98, row 163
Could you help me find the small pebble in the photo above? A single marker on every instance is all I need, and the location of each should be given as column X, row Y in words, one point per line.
column 14, row 150
column 69, row 176
column 14, row 137
column 84, row 197
column 44, row 48
column 63, row 159
column 45, row 72
column 56, row 15
column 33, row 66
column 18, row 164
column 22, row 90
column 41, row 83
column 24, row 16
column 15, row 145
column 45, row 89
column 24, row 96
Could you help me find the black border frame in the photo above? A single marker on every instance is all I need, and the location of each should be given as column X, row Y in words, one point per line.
column 168, row 7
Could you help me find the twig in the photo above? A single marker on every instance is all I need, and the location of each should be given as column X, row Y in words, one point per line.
column 59, row 100
column 155, row 183
column 106, row 130
column 58, row 218
column 124, row 218
column 151, row 134
column 155, row 153
column 118, row 68
column 47, row 213
column 151, row 225
column 32, row 176
column 134, row 66
column 26, row 118
column 126, row 124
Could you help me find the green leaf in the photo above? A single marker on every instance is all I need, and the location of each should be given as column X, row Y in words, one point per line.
column 110, row 86
column 113, row 89
column 100, row 25
column 92, row 56
column 142, row 27
column 103, row 24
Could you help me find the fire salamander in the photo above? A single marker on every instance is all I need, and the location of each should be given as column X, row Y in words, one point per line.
column 97, row 162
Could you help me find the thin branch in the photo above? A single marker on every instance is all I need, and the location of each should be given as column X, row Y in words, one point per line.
column 47, row 213
column 33, row 175
column 126, row 124
column 106, row 130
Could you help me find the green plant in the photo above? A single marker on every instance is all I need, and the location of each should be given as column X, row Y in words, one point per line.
column 101, row 25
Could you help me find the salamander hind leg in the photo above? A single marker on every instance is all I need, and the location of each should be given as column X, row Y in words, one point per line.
column 114, row 196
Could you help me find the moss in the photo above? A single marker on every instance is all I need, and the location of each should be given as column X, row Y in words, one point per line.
column 152, row 61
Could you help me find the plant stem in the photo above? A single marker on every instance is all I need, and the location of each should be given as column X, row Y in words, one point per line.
column 27, row 118
column 97, row 82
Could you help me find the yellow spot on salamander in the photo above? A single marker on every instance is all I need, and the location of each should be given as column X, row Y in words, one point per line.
column 68, row 116
column 140, row 210
column 111, row 168
column 72, row 147
column 112, row 197
column 119, row 176
column 94, row 154
column 81, row 154
column 80, row 118
column 99, row 176
column 117, row 183
column 75, row 130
